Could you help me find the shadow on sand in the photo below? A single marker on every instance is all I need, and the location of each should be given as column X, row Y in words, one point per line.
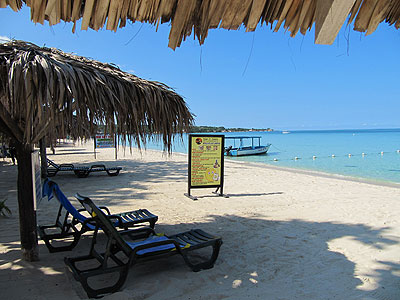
column 259, row 257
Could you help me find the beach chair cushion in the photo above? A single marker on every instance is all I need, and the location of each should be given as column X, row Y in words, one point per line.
column 51, row 189
column 151, row 240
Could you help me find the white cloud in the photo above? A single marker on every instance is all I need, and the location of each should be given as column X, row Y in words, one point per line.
column 4, row 39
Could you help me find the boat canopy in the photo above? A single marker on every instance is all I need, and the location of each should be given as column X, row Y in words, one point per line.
column 241, row 138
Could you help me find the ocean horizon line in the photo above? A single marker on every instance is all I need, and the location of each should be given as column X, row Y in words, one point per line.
column 308, row 130
column 289, row 130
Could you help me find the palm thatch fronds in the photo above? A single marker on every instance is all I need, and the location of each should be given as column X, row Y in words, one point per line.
column 44, row 91
column 199, row 16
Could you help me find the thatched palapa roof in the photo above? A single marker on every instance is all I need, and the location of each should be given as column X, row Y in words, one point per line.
column 199, row 16
column 42, row 89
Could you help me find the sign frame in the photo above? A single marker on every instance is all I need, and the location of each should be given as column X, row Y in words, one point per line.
column 109, row 136
column 220, row 186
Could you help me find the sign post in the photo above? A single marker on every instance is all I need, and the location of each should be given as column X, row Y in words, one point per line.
column 206, row 163
column 105, row 141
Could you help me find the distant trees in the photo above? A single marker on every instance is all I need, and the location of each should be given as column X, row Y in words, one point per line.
column 201, row 129
column 206, row 129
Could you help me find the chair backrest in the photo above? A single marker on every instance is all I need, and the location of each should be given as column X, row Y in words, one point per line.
column 103, row 222
column 51, row 189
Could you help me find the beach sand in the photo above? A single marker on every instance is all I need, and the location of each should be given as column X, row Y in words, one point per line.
column 286, row 234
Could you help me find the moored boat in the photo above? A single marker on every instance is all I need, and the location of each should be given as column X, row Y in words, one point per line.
column 242, row 150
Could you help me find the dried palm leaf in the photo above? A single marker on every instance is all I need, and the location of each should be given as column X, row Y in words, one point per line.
column 198, row 16
column 45, row 91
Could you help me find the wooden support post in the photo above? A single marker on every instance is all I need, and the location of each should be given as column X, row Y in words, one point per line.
column 116, row 146
column 27, row 213
column 330, row 17
column 94, row 147
column 43, row 157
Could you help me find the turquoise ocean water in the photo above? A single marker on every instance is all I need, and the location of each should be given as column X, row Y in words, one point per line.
column 323, row 144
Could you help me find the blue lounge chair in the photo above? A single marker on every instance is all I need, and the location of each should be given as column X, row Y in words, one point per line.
column 81, row 172
column 125, row 248
column 70, row 223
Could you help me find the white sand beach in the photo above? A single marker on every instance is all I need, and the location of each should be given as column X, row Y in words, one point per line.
column 286, row 234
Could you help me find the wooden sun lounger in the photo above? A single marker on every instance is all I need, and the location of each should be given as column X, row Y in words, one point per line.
column 81, row 172
column 70, row 223
column 126, row 248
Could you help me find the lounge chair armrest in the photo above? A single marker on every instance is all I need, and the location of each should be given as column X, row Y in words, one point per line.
column 83, row 210
column 118, row 218
column 101, row 207
column 105, row 208
column 90, row 221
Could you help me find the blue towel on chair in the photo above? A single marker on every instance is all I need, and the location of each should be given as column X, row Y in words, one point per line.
column 50, row 187
column 150, row 240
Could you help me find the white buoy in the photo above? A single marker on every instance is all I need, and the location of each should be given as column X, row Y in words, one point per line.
column 333, row 155
column 275, row 159
column 349, row 154
column 314, row 157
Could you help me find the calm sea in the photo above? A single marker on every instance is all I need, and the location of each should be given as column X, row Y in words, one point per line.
column 381, row 160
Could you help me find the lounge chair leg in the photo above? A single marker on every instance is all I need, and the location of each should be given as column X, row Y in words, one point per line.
column 93, row 293
column 48, row 238
column 51, row 173
column 83, row 275
column 153, row 224
column 109, row 173
column 206, row 264
column 53, row 249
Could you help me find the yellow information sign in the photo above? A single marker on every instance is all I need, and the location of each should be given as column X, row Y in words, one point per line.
column 206, row 160
column 206, row 163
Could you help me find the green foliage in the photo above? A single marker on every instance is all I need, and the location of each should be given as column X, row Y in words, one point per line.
column 4, row 210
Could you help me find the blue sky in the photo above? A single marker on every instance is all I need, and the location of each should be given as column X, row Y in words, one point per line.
column 255, row 80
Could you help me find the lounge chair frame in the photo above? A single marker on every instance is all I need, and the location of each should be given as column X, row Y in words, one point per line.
column 81, row 172
column 117, row 244
column 66, row 228
column 71, row 224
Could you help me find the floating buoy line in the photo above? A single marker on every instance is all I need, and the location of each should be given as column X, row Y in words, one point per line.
column 350, row 155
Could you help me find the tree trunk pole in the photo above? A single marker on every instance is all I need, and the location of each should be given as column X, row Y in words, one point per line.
column 27, row 213
column 43, row 157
